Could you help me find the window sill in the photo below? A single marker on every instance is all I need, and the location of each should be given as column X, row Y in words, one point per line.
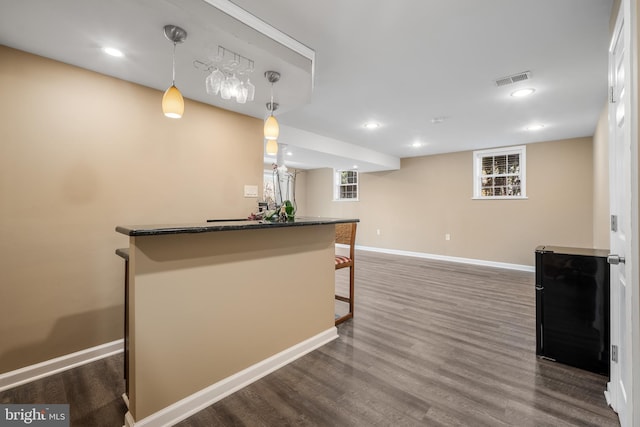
column 346, row 200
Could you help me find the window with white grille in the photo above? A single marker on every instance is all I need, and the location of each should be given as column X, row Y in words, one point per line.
column 346, row 185
column 500, row 173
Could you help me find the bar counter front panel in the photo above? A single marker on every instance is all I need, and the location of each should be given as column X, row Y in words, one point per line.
column 206, row 305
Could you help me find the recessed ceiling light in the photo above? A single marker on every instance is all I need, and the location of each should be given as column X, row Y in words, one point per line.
column 289, row 153
column 371, row 125
column 534, row 127
column 113, row 52
column 438, row 120
column 522, row 92
column 355, row 166
column 416, row 144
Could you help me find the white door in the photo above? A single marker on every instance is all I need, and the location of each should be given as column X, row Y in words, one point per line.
column 619, row 387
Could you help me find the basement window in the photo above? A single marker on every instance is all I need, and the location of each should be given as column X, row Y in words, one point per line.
column 500, row 173
column 345, row 185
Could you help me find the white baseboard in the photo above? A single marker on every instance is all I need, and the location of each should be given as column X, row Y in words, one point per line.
column 484, row 263
column 198, row 401
column 44, row 369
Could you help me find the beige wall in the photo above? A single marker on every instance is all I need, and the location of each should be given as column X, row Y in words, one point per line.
column 430, row 196
column 79, row 154
column 601, row 182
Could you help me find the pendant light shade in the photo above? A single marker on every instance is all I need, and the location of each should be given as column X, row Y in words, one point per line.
column 271, row 128
column 173, row 103
column 272, row 147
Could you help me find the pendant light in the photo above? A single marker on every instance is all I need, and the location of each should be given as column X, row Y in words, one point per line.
column 272, row 147
column 271, row 127
column 172, row 101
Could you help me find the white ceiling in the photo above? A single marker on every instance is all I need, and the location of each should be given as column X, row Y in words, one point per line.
column 400, row 63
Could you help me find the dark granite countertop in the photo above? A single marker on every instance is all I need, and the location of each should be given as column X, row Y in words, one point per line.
column 207, row 227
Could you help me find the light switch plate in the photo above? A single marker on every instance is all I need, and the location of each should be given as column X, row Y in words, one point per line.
column 250, row 191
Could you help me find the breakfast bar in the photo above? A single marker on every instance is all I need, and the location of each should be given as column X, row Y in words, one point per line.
column 213, row 306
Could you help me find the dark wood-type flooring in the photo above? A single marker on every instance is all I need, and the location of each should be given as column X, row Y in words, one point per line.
column 432, row 344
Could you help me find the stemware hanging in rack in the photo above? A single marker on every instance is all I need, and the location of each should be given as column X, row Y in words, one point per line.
column 228, row 76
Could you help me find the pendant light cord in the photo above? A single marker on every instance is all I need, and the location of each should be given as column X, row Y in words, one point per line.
column 174, row 64
column 271, row 105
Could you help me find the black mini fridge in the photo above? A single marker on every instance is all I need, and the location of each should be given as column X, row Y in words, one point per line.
column 572, row 307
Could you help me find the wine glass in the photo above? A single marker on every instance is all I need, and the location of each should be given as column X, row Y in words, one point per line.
column 229, row 87
column 214, row 82
column 225, row 89
column 251, row 90
column 241, row 94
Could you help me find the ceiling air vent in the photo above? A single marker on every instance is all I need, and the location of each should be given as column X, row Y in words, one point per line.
column 503, row 81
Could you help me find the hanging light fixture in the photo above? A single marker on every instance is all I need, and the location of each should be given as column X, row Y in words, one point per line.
column 271, row 127
column 172, row 101
column 272, row 147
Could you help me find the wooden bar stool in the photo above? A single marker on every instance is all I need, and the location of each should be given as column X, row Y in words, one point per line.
column 346, row 235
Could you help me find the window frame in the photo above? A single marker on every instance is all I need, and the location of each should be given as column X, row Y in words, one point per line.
column 337, row 184
column 478, row 155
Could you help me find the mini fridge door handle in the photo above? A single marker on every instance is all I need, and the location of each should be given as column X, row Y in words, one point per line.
column 615, row 259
